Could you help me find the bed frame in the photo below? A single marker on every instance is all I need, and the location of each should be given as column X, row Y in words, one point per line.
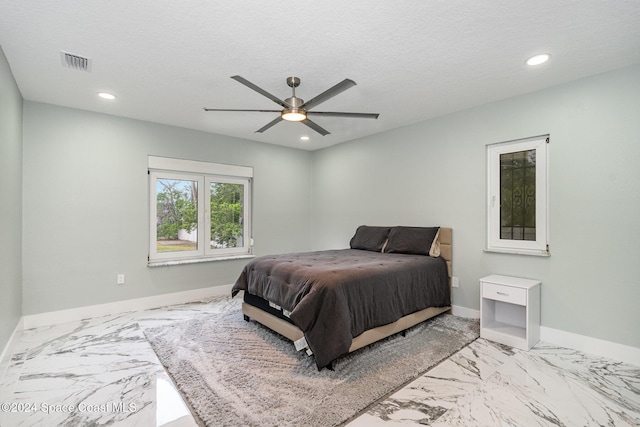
column 293, row 333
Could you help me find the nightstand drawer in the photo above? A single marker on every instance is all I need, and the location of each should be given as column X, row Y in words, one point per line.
column 504, row 293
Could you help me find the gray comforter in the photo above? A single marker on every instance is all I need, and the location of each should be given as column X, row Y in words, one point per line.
column 336, row 295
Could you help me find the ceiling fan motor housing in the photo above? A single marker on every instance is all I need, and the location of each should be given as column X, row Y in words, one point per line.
column 294, row 102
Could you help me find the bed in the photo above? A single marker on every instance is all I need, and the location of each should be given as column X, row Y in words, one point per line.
column 333, row 302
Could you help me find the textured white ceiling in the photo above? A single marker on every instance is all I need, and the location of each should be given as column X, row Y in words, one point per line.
column 412, row 60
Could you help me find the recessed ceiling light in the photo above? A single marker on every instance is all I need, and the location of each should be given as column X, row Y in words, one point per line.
column 107, row 95
column 304, row 138
column 538, row 59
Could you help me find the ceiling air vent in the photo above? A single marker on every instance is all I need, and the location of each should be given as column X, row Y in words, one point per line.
column 76, row 62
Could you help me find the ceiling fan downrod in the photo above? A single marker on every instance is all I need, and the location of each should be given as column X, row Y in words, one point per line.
column 295, row 113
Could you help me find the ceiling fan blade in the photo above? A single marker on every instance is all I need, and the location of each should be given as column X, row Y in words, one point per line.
column 268, row 125
column 316, row 127
column 336, row 114
column 261, row 91
column 254, row 111
column 329, row 93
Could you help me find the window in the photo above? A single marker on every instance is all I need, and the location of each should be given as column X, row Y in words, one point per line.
column 517, row 196
column 198, row 211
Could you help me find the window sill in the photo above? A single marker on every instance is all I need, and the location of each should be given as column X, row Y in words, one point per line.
column 164, row 263
column 518, row 252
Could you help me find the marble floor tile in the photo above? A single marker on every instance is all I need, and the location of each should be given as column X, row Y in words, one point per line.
column 102, row 371
column 487, row 384
column 430, row 396
column 98, row 371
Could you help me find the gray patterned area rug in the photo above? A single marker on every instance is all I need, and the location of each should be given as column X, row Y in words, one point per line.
column 237, row 373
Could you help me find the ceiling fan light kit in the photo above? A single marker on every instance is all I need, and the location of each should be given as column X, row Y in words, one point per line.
column 293, row 115
column 296, row 110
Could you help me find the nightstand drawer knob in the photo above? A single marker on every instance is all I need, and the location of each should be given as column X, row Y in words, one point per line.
column 503, row 293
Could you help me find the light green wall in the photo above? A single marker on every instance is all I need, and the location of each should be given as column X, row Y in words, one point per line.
column 10, row 202
column 433, row 173
column 86, row 205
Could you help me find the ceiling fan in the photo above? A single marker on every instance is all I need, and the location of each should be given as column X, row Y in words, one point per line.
column 296, row 110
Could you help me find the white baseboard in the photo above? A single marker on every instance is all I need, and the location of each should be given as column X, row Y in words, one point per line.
column 7, row 351
column 595, row 346
column 156, row 301
column 598, row 347
column 457, row 310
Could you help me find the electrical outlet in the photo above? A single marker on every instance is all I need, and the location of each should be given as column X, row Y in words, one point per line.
column 455, row 282
column 120, row 279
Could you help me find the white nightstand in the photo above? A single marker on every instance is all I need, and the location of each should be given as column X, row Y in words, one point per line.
column 510, row 310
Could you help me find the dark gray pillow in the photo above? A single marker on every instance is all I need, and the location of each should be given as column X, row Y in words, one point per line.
column 370, row 238
column 411, row 240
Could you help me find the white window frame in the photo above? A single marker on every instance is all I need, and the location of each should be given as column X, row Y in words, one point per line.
column 540, row 246
column 204, row 173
